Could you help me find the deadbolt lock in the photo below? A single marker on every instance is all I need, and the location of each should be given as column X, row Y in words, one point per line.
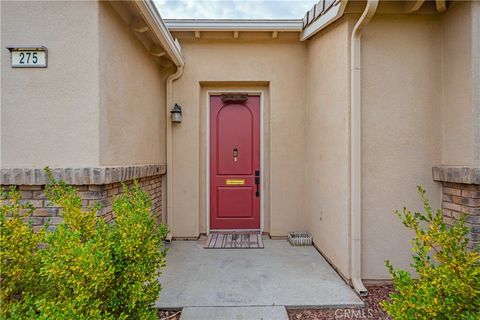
column 235, row 154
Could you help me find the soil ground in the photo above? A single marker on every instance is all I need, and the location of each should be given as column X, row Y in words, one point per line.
column 169, row 315
column 371, row 311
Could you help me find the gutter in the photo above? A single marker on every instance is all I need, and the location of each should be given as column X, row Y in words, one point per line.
column 233, row 25
column 356, row 150
column 169, row 101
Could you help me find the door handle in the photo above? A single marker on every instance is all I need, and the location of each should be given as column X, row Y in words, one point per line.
column 257, row 182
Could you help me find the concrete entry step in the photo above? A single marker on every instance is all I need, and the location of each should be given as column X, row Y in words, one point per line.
column 234, row 313
column 278, row 275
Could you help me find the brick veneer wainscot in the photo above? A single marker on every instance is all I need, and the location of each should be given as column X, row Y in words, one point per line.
column 149, row 178
column 461, row 194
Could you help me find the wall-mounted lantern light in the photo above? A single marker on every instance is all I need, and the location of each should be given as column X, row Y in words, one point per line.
column 176, row 114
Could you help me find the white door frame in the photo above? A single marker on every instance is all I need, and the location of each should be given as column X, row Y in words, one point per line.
column 207, row 154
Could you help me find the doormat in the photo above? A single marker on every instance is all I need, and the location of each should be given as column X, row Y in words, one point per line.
column 234, row 240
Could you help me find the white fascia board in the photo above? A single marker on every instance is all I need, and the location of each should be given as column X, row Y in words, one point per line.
column 157, row 26
column 233, row 25
column 324, row 20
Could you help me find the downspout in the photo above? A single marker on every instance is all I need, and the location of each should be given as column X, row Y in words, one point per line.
column 169, row 101
column 355, row 149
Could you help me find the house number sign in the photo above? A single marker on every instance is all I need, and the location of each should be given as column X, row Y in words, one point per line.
column 28, row 57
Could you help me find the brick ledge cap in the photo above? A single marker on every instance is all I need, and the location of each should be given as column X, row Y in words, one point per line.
column 81, row 175
column 457, row 174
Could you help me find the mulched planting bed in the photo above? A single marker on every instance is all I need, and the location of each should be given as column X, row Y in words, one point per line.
column 372, row 309
column 169, row 314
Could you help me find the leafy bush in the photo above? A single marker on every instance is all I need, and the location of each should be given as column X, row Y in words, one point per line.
column 85, row 268
column 19, row 257
column 448, row 283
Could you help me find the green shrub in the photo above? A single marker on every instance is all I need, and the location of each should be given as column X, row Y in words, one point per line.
column 447, row 285
column 19, row 257
column 85, row 268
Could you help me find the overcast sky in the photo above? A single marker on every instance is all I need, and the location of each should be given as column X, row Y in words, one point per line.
column 234, row 9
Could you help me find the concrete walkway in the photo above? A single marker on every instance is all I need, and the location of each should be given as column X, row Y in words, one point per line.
column 234, row 313
column 279, row 275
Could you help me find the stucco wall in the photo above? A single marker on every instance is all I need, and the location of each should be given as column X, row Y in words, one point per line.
column 401, row 135
column 50, row 116
column 327, row 143
column 279, row 63
column 132, row 84
column 461, row 84
column 401, row 131
column 101, row 101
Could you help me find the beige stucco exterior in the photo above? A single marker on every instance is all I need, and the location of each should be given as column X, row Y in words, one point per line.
column 397, row 121
column 51, row 116
column 102, row 102
column 401, row 131
column 132, row 96
column 327, row 144
column 402, row 114
column 406, row 128
column 277, row 68
column 460, row 33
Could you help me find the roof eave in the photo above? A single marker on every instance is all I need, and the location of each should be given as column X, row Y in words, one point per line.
column 233, row 25
column 330, row 16
column 152, row 17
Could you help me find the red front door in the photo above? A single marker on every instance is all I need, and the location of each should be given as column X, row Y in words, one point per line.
column 235, row 162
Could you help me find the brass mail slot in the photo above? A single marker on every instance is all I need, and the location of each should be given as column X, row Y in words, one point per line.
column 235, row 182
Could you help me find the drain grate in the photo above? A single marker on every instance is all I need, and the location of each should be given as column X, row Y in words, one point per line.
column 300, row 238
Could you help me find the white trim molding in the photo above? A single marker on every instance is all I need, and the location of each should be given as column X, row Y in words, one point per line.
column 233, row 25
column 332, row 14
column 210, row 93
column 156, row 24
